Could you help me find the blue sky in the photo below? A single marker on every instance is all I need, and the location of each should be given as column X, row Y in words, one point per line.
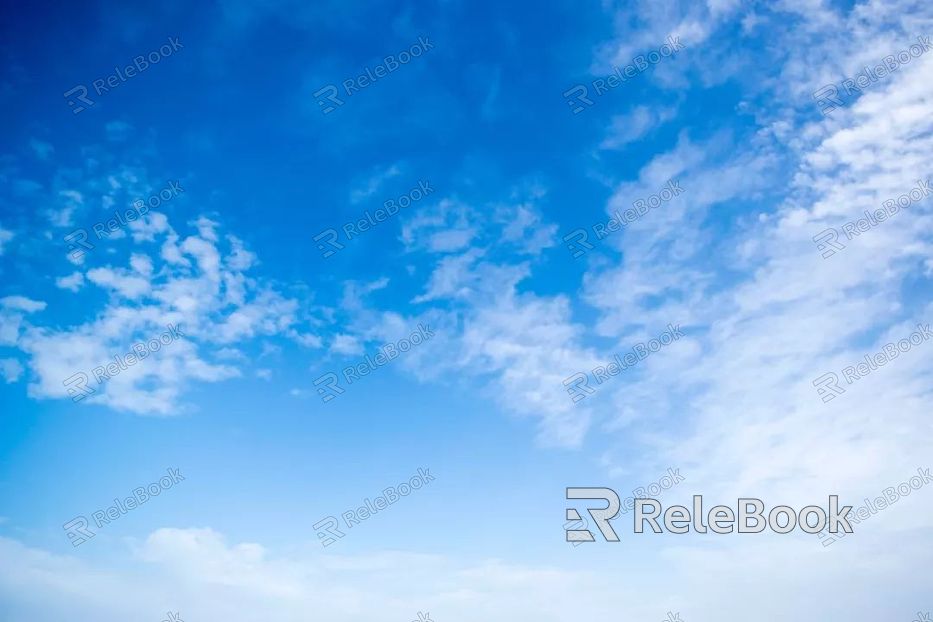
column 229, row 118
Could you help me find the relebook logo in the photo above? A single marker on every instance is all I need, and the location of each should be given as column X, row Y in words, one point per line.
column 720, row 519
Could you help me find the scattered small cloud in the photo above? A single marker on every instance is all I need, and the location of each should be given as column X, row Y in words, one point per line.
column 118, row 131
column 73, row 282
column 346, row 345
column 372, row 184
column 628, row 128
column 41, row 148
column 21, row 303
column 5, row 236
column 11, row 370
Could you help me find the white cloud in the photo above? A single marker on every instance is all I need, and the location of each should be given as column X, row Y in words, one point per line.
column 21, row 303
column 306, row 340
column 447, row 227
column 41, row 148
column 72, row 200
column 374, row 183
column 230, row 354
column 118, row 130
column 766, row 314
column 635, row 125
column 72, row 282
column 346, row 345
column 123, row 282
column 11, row 370
column 520, row 344
column 5, row 236
column 454, row 227
column 523, row 227
column 642, row 28
column 453, row 277
column 201, row 286
column 206, row 577
column 10, row 326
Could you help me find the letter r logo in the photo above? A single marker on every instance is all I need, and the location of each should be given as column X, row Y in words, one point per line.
column 77, row 531
column 77, row 386
column 328, row 387
column 331, row 236
column 827, row 98
column 827, row 387
column 581, row 97
column 330, row 532
column 578, row 236
column 76, row 239
column 601, row 516
column 83, row 98
column 827, row 242
column 332, row 97
column 578, row 387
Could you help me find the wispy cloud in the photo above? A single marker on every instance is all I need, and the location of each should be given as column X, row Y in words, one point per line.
column 369, row 187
